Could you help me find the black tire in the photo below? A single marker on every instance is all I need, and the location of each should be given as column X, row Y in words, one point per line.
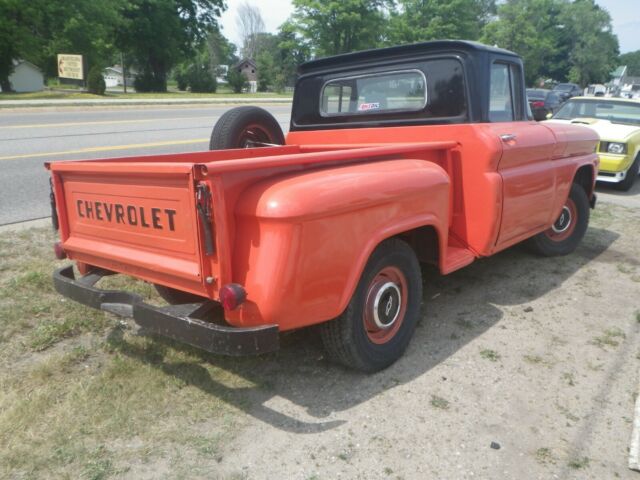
column 632, row 174
column 176, row 297
column 567, row 232
column 245, row 127
column 350, row 338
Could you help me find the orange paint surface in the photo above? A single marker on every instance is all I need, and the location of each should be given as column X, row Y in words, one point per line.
column 296, row 224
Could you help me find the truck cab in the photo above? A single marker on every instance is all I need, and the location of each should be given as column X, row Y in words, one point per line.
column 415, row 154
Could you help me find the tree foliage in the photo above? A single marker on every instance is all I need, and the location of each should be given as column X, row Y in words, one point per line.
column 17, row 36
column 557, row 39
column 632, row 61
column 593, row 49
column 340, row 26
column 38, row 30
column 422, row 20
column 159, row 33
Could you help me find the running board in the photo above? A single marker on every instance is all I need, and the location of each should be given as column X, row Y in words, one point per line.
column 456, row 258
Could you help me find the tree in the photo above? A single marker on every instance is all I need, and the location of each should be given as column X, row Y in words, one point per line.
column 250, row 24
column 525, row 27
column 17, row 40
column 333, row 26
column 421, row 20
column 632, row 61
column 293, row 50
column 221, row 51
column 38, row 30
column 594, row 49
column 560, row 39
column 159, row 33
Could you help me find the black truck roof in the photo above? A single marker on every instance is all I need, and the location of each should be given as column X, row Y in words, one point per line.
column 469, row 65
column 411, row 50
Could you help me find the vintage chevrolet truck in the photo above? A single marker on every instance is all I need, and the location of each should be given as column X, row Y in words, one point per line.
column 423, row 153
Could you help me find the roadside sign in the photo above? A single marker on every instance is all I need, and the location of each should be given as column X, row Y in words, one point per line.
column 70, row 66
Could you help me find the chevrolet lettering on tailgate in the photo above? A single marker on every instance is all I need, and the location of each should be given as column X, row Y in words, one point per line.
column 158, row 218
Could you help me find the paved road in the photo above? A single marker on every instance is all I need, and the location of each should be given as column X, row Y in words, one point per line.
column 30, row 138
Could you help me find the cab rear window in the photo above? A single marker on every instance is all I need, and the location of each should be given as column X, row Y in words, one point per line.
column 407, row 92
column 401, row 91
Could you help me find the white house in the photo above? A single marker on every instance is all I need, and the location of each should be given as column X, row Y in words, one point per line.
column 113, row 76
column 26, row 77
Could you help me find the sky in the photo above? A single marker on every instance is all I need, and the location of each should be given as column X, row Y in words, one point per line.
column 625, row 18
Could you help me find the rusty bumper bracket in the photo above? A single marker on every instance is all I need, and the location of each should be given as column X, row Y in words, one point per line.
column 186, row 323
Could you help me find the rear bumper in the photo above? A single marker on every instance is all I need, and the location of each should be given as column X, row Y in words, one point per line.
column 185, row 323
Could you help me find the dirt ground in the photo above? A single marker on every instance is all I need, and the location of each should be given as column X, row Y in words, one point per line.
column 538, row 355
column 522, row 368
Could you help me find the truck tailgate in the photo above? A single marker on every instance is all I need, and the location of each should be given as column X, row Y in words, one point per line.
column 132, row 219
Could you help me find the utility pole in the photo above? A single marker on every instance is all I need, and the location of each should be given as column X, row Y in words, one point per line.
column 124, row 72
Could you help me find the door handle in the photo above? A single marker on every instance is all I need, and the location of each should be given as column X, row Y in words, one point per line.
column 507, row 137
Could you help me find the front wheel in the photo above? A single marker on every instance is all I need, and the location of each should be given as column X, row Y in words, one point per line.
column 377, row 325
column 567, row 231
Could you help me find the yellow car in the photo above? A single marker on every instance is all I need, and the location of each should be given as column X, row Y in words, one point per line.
column 617, row 121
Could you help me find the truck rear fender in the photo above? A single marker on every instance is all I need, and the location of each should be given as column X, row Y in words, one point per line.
column 314, row 233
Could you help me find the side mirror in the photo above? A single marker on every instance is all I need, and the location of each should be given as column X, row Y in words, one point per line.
column 549, row 115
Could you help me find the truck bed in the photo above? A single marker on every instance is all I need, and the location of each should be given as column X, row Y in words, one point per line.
column 169, row 219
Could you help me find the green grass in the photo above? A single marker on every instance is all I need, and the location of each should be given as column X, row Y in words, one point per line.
column 579, row 463
column 610, row 338
column 490, row 355
column 83, row 396
column 544, row 455
column 439, row 402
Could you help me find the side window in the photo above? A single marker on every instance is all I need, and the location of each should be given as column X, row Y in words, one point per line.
column 505, row 104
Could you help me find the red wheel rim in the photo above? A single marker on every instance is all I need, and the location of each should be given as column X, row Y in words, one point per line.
column 565, row 223
column 252, row 136
column 385, row 305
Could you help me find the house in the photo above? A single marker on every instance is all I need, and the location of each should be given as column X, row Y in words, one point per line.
column 113, row 76
column 250, row 70
column 26, row 77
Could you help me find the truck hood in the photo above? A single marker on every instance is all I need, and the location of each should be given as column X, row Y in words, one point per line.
column 604, row 128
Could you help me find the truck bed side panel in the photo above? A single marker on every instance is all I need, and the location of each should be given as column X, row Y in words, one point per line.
column 315, row 231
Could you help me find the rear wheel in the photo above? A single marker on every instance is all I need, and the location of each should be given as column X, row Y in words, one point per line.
column 377, row 325
column 632, row 174
column 567, row 231
column 246, row 127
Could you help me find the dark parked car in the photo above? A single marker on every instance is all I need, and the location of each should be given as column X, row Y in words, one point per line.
column 543, row 102
column 567, row 90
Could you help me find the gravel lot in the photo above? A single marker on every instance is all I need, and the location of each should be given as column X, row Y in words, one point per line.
column 537, row 355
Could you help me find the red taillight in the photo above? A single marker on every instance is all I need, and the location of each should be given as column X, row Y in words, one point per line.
column 537, row 104
column 59, row 251
column 232, row 296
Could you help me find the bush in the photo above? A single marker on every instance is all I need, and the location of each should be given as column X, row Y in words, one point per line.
column 201, row 80
column 237, row 80
column 182, row 77
column 95, row 81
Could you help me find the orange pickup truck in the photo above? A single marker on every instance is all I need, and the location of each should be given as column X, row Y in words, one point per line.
column 424, row 153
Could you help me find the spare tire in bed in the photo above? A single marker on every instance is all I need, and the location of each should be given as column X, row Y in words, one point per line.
column 246, row 127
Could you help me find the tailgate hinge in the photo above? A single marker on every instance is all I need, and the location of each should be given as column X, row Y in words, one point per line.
column 203, row 204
